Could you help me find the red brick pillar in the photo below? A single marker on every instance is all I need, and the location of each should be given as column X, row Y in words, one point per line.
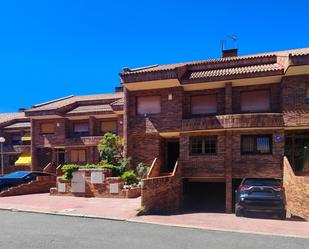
column 228, row 98
column 126, row 122
column 228, row 171
column 92, row 128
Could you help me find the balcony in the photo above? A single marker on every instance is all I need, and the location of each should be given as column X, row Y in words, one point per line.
column 251, row 120
column 17, row 149
column 84, row 141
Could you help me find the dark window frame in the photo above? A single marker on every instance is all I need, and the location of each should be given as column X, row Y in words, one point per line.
column 256, row 152
column 80, row 134
column 205, row 151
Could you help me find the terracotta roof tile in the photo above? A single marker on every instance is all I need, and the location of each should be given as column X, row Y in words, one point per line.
column 19, row 125
column 7, row 117
column 75, row 99
column 90, row 108
column 168, row 67
column 233, row 71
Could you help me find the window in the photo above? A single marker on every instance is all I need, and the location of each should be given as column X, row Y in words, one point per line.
column 78, row 156
column 109, row 126
column 255, row 101
column 307, row 93
column 81, row 129
column 204, row 104
column 256, row 144
column 47, row 128
column 148, row 105
column 203, row 145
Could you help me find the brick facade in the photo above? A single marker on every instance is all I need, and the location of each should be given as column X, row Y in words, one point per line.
column 147, row 136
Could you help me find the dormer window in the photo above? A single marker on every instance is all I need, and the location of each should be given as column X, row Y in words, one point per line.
column 255, row 101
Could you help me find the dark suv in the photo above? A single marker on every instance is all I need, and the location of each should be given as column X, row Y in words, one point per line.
column 260, row 195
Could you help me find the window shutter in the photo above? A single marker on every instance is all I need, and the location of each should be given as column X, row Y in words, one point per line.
column 81, row 127
column 204, row 104
column 148, row 105
column 108, row 126
column 255, row 101
column 47, row 128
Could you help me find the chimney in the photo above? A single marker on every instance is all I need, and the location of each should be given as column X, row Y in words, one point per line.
column 119, row 89
column 230, row 53
column 21, row 109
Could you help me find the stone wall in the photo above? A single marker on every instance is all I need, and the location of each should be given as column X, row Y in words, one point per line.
column 41, row 185
column 162, row 194
column 296, row 191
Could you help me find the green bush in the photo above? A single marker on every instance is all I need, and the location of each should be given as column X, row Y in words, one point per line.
column 129, row 177
column 68, row 170
column 142, row 170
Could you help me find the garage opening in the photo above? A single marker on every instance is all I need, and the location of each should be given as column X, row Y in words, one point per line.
column 204, row 196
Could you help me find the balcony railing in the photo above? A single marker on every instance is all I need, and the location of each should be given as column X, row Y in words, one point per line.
column 252, row 120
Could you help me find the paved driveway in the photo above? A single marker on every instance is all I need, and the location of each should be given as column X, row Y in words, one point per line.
column 127, row 209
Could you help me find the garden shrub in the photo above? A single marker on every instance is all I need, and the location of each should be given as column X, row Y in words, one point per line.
column 142, row 170
column 68, row 170
column 111, row 148
column 129, row 177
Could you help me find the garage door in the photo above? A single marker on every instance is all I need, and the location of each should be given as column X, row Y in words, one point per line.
column 204, row 196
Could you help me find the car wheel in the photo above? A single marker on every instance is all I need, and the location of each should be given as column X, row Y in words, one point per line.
column 282, row 215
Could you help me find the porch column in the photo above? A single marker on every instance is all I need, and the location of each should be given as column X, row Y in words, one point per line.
column 228, row 171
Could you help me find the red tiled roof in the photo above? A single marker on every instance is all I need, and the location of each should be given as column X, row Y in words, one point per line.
column 9, row 118
column 18, row 125
column 221, row 67
column 234, row 71
column 78, row 104
column 90, row 108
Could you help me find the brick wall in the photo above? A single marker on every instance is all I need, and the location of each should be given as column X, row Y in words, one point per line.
column 142, row 140
column 162, row 194
column 41, row 185
column 296, row 191
column 296, row 111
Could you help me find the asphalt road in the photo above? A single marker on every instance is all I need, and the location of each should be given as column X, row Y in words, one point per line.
column 27, row 230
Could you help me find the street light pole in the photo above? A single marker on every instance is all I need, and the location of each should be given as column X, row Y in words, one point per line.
column 2, row 140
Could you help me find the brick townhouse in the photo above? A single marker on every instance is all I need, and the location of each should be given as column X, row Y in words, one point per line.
column 221, row 120
column 68, row 130
column 15, row 128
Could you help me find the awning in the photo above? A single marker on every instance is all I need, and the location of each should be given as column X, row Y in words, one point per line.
column 23, row 160
column 25, row 138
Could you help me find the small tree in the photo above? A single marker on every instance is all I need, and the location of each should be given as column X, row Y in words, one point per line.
column 111, row 149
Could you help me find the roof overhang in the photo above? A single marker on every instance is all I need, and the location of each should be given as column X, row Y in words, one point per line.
column 152, row 84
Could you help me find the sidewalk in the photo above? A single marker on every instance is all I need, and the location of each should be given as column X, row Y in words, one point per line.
column 127, row 209
column 111, row 208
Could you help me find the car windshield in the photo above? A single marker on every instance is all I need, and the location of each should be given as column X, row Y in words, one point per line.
column 18, row 174
column 262, row 182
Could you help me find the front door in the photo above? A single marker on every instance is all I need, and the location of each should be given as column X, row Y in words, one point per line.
column 60, row 156
column 172, row 154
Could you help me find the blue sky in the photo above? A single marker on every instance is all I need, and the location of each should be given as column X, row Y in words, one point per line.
column 50, row 49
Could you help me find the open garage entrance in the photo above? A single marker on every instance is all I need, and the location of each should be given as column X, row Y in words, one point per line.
column 204, row 196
